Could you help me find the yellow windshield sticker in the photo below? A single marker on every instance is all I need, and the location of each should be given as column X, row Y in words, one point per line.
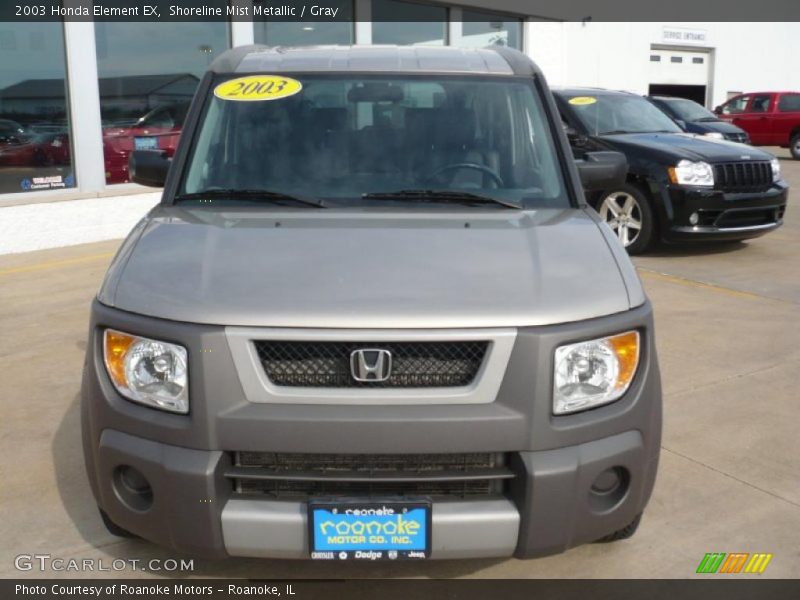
column 582, row 100
column 257, row 88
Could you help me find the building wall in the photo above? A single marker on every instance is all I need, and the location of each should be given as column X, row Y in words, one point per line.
column 746, row 56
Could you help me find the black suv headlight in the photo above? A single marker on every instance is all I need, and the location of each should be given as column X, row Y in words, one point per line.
column 692, row 173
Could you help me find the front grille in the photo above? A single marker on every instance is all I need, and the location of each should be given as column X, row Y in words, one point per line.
column 748, row 218
column 744, row 217
column 413, row 364
column 754, row 176
column 301, row 476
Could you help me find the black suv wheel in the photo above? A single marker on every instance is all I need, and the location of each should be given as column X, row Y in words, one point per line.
column 627, row 211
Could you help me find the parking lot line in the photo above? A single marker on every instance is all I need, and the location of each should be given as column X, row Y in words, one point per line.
column 650, row 274
column 54, row 264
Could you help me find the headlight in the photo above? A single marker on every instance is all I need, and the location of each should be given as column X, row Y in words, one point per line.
column 692, row 173
column 714, row 135
column 776, row 169
column 589, row 374
column 147, row 371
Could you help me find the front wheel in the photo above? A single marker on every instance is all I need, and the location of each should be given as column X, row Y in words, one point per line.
column 628, row 213
column 113, row 528
column 794, row 146
column 622, row 534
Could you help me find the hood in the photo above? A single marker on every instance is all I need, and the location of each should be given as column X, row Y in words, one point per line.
column 719, row 126
column 670, row 147
column 367, row 269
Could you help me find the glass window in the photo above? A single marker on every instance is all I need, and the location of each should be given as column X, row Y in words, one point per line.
column 306, row 33
column 148, row 74
column 35, row 151
column 655, row 58
column 676, row 59
column 760, row 103
column 789, row 103
column 342, row 136
column 610, row 114
column 408, row 23
column 735, row 105
column 689, row 110
column 489, row 29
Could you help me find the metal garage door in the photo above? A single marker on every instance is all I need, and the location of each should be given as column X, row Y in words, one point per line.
column 683, row 73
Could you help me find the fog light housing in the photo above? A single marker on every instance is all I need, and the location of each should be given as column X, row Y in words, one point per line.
column 609, row 489
column 694, row 218
column 132, row 488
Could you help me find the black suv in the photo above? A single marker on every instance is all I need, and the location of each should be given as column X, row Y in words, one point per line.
column 680, row 186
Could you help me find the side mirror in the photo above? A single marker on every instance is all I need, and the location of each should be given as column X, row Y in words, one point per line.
column 602, row 170
column 718, row 110
column 148, row 167
column 681, row 123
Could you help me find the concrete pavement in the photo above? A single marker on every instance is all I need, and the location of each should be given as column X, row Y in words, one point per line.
column 729, row 481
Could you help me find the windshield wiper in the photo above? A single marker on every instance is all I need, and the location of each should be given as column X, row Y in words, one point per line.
column 441, row 196
column 252, row 194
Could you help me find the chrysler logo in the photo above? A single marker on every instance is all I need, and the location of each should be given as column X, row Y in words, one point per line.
column 371, row 364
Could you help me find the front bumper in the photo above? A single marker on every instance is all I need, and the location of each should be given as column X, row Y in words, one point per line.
column 721, row 215
column 547, row 507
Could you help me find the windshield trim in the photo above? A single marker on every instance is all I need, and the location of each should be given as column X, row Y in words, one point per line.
column 204, row 98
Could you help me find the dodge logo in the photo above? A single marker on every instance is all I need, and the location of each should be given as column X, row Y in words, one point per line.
column 371, row 364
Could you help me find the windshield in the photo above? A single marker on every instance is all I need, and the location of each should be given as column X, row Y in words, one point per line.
column 339, row 138
column 605, row 114
column 688, row 110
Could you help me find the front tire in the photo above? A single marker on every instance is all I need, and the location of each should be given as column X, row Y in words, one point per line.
column 622, row 534
column 113, row 528
column 627, row 211
column 794, row 146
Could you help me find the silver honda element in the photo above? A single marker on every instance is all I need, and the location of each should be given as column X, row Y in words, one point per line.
column 372, row 317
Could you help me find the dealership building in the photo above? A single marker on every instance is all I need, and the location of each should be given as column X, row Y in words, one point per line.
column 77, row 97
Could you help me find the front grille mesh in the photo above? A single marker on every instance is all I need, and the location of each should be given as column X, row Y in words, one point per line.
column 413, row 364
column 301, row 476
column 754, row 176
column 367, row 463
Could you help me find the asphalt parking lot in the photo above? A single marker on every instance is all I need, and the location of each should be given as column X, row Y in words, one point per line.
column 728, row 335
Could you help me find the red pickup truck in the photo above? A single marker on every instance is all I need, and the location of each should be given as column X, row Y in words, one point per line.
column 770, row 118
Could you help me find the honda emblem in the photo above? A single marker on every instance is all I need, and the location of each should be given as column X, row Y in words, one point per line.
column 371, row 364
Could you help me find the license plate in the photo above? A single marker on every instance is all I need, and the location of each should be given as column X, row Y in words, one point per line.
column 369, row 530
column 146, row 143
